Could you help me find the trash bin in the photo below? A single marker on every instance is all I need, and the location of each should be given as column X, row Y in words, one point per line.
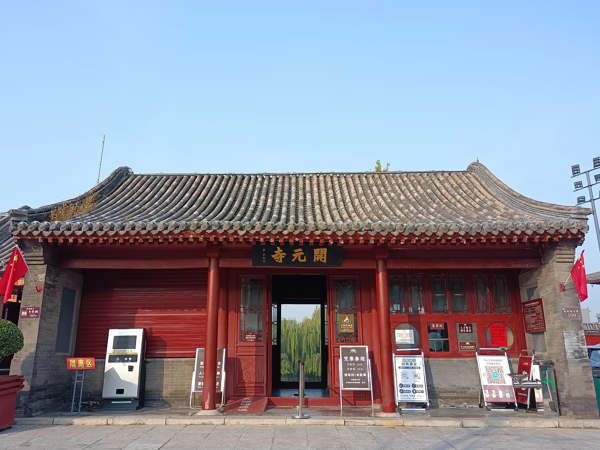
column 597, row 386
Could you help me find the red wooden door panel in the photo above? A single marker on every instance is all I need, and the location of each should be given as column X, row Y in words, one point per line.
column 344, row 300
column 248, row 337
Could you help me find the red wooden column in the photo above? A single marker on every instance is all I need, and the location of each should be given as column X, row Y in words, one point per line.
column 383, row 309
column 222, row 315
column 210, row 352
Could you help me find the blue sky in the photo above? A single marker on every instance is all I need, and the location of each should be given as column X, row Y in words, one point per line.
column 298, row 86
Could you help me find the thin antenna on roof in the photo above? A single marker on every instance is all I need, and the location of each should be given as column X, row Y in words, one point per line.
column 103, row 139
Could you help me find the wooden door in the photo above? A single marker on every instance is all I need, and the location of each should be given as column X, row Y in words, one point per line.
column 344, row 302
column 248, row 337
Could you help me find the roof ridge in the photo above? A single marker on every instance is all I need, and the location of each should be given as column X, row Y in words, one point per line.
column 105, row 188
column 396, row 172
column 499, row 187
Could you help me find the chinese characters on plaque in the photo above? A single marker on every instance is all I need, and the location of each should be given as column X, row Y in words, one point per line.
column 571, row 313
column 404, row 337
column 354, row 368
column 30, row 312
column 498, row 335
column 296, row 256
column 81, row 363
column 533, row 313
column 346, row 323
column 466, row 333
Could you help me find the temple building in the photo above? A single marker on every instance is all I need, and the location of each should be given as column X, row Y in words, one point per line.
column 231, row 260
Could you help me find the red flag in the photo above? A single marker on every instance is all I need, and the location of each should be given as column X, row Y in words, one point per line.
column 15, row 270
column 578, row 275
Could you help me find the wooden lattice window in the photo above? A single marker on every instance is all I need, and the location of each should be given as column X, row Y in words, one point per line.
column 481, row 292
column 439, row 295
column 501, row 295
column 251, row 310
column 457, row 295
column 406, row 295
column 415, row 295
column 344, row 292
column 396, row 295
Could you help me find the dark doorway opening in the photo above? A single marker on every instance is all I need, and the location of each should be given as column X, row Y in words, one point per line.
column 299, row 331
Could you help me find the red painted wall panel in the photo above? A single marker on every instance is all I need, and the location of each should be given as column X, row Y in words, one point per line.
column 591, row 339
column 169, row 304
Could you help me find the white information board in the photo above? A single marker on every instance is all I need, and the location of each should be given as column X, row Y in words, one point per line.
column 410, row 378
column 404, row 337
column 496, row 385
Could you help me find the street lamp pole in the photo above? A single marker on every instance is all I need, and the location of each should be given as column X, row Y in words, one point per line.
column 575, row 170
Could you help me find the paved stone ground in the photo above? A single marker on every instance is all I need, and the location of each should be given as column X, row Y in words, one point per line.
column 145, row 437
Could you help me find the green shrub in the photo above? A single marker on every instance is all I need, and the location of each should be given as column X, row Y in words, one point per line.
column 11, row 338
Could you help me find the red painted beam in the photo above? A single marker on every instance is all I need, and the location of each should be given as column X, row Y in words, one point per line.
column 88, row 263
column 470, row 263
column 244, row 263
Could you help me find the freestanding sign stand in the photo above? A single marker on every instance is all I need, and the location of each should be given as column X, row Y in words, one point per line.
column 410, row 379
column 80, row 365
column 354, row 368
column 496, row 384
column 198, row 376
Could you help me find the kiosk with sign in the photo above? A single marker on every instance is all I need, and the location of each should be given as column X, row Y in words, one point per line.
column 494, row 376
column 355, row 371
column 124, row 373
column 198, row 375
column 410, row 379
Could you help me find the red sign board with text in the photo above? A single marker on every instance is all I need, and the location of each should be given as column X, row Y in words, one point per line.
column 533, row 314
column 81, row 363
column 498, row 336
column 30, row 312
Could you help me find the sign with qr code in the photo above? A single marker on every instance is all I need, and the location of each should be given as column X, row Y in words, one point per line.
column 409, row 374
column 496, row 384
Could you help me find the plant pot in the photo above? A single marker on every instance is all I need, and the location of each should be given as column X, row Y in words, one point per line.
column 9, row 386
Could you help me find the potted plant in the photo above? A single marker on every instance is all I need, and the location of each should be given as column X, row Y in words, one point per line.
column 11, row 341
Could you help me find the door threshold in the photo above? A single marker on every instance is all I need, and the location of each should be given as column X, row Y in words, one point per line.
column 293, row 393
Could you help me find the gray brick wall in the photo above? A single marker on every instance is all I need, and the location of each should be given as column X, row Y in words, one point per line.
column 454, row 382
column 565, row 342
column 451, row 382
column 47, row 382
column 168, row 382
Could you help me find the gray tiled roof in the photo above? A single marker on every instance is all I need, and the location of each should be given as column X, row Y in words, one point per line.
column 6, row 242
column 460, row 203
column 593, row 278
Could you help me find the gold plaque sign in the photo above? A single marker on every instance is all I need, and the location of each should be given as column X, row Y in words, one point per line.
column 346, row 323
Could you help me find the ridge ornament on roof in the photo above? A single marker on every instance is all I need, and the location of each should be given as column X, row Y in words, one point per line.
column 382, row 206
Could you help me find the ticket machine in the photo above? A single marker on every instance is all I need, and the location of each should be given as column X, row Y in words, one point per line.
column 124, row 375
